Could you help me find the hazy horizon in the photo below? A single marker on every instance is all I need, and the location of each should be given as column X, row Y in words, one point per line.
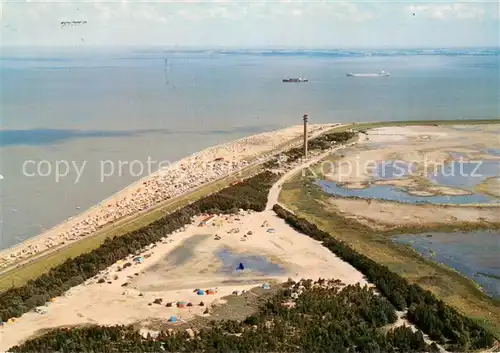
column 334, row 23
column 274, row 47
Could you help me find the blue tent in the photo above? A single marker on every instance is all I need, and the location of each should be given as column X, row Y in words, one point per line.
column 173, row 318
column 200, row 292
column 240, row 267
column 139, row 259
column 266, row 286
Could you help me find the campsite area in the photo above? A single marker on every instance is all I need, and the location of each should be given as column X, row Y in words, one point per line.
column 162, row 284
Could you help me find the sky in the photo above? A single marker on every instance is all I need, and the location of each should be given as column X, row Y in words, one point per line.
column 240, row 23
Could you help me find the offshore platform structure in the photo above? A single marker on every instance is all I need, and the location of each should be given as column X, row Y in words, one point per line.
column 305, row 118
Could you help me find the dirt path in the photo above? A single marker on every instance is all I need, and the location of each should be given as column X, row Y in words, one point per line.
column 258, row 234
column 276, row 188
column 273, row 199
column 8, row 264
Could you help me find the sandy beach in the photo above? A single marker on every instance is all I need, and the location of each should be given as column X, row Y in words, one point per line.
column 162, row 281
column 194, row 257
column 177, row 179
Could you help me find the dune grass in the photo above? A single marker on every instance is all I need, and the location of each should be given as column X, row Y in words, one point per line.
column 490, row 186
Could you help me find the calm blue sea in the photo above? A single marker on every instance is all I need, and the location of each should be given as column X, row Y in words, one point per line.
column 125, row 105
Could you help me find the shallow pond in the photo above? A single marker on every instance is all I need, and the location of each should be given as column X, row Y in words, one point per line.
column 185, row 251
column 473, row 254
column 391, row 169
column 492, row 151
column 254, row 263
column 393, row 193
column 465, row 174
column 472, row 128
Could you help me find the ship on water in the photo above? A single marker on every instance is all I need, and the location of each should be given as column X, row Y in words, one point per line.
column 380, row 74
column 294, row 79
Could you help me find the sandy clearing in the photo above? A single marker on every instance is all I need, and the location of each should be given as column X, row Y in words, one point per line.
column 106, row 304
column 179, row 178
column 403, row 321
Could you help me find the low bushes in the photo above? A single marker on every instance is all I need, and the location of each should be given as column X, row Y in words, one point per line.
column 321, row 142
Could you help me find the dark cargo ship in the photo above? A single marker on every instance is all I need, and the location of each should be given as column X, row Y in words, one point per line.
column 294, row 79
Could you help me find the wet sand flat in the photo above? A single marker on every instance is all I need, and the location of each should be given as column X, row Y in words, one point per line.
column 389, row 215
column 437, row 166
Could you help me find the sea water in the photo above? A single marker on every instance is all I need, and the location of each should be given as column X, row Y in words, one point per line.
column 473, row 254
column 92, row 106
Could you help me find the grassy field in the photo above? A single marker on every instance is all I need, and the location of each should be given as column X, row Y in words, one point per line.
column 308, row 201
column 20, row 275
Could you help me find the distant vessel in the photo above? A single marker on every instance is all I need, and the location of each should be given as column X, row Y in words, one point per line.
column 295, row 79
column 380, row 74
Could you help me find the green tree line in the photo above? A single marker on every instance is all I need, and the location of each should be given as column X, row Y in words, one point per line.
column 326, row 317
column 250, row 194
column 440, row 321
column 321, row 142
